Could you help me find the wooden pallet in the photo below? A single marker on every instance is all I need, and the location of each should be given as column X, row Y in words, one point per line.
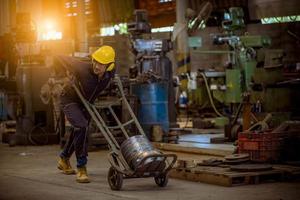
column 225, row 177
column 290, row 172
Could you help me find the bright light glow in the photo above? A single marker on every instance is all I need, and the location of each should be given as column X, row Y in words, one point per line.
column 52, row 35
column 48, row 31
column 272, row 20
column 49, row 25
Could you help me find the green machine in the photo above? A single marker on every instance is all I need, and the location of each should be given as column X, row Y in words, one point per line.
column 247, row 50
column 253, row 73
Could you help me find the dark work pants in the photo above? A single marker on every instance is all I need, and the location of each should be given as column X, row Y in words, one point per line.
column 78, row 140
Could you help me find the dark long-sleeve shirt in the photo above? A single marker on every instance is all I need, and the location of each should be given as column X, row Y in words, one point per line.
column 89, row 83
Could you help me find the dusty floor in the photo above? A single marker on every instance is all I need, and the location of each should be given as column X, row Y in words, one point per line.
column 30, row 173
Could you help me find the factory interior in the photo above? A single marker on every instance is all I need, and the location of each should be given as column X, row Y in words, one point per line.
column 150, row 99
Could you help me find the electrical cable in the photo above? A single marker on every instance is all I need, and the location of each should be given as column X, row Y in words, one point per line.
column 187, row 117
column 210, row 97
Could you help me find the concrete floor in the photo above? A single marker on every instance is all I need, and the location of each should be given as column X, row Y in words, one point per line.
column 30, row 173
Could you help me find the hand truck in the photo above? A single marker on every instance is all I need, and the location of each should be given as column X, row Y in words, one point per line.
column 155, row 165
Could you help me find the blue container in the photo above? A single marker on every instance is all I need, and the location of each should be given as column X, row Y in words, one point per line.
column 153, row 108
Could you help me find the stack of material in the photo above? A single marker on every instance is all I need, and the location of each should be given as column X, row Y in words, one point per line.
column 234, row 159
column 158, row 135
column 182, row 164
column 9, row 130
column 173, row 137
column 237, row 158
column 217, row 171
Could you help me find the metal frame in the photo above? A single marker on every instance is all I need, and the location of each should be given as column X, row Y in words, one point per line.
column 115, row 156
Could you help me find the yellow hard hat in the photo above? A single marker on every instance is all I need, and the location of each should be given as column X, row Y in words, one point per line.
column 105, row 55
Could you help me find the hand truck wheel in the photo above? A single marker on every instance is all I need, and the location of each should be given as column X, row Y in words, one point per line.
column 161, row 180
column 115, row 179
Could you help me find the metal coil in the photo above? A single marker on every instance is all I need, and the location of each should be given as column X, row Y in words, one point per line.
column 135, row 149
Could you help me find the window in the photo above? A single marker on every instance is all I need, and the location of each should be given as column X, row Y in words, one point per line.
column 107, row 31
column 164, row 1
column 122, row 29
column 162, row 29
column 272, row 20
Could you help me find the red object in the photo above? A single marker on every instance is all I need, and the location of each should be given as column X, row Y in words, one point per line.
column 261, row 146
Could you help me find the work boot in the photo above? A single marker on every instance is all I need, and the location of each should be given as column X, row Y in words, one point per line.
column 82, row 176
column 65, row 166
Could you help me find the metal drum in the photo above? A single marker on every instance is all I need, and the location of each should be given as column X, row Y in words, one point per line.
column 153, row 108
column 135, row 148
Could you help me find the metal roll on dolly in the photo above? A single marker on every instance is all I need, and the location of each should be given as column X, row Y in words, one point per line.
column 137, row 148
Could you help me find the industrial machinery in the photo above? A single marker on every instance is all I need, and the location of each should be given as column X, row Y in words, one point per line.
column 135, row 157
column 8, row 94
column 153, row 76
column 251, row 80
column 34, row 119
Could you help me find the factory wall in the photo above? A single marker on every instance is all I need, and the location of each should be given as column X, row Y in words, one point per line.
column 281, row 39
column 4, row 17
column 200, row 60
column 278, row 33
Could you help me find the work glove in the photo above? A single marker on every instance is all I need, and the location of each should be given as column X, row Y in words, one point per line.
column 69, row 80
